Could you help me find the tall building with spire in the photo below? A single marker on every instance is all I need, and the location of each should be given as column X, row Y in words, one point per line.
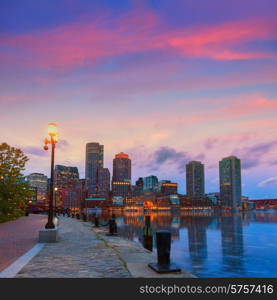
column 195, row 179
column 230, row 182
column 121, row 181
column 94, row 161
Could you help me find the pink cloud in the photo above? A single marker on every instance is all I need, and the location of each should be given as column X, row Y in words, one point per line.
column 80, row 44
column 163, row 78
column 84, row 43
column 217, row 41
column 250, row 107
column 262, row 124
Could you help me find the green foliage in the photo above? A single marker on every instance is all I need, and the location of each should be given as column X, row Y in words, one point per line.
column 14, row 191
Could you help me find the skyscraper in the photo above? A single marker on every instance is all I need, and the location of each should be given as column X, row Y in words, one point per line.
column 195, row 179
column 94, row 161
column 121, row 182
column 230, row 182
column 104, row 182
column 121, row 167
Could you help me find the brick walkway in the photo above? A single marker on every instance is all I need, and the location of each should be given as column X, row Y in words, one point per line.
column 79, row 253
column 19, row 236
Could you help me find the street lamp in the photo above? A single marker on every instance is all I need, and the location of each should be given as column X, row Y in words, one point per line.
column 53, row 133
column 56, row 189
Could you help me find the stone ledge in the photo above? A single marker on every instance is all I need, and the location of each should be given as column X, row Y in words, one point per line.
column 136, row 257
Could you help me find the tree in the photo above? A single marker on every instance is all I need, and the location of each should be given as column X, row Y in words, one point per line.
column 14, row 189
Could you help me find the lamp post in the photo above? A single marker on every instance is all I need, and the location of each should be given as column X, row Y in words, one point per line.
column 53, row 133
column 55, row 200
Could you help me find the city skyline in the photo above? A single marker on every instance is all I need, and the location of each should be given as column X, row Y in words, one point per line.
column 187, row 172
column 122, row 184
column 166, row 84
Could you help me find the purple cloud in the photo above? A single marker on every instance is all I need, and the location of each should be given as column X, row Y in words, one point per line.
column 251, row 156
column 167, row 155
column 32, row 150
column 63, row 144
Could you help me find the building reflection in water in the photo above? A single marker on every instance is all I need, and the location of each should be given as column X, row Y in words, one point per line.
column 216, row 247
column 232, row 241
column 147, row 242
column 197, row 239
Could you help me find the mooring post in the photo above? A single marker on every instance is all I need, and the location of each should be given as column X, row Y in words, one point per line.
column 163, row 239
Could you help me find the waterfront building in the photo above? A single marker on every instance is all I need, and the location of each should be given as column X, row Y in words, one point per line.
column 138, row 188
column 94, row 161
column 214, row 197
column 230, row 182
column 195, row 179
column 121, row 188
column 65, row 178
column 104, row 182
column 38, row 183
column 139, row 183
column 72, row 197
column 168, row 188
column 121, row 181
column 118, row 201
column 33, row 198
column 151, row 183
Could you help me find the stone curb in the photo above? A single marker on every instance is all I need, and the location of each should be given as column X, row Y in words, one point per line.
column 135, row 257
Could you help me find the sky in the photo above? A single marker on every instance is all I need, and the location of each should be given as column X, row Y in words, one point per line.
column 164, row 81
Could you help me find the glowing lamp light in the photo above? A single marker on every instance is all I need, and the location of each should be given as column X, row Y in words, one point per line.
column 52, row 129
column 55, row 138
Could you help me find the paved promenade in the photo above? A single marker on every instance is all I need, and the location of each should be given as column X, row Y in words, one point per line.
column 84, row 251
column 19, row 236
column 79, row 253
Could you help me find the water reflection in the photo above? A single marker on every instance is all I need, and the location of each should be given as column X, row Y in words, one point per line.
column 197, row 239
column 211, row 245
column 147, row 242
column 232, row 242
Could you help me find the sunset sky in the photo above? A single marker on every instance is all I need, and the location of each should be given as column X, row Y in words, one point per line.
column 165, row 81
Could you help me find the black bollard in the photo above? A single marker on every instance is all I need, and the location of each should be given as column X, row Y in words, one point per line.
column 147, row 242
column 147, row 238
column 147, row 221
column 84, row 217
column 72, row 216
column 164, row 265
column 96, row 221
column 147, row 230
column 78, row 216
column 26, row 213
column 112, row 227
